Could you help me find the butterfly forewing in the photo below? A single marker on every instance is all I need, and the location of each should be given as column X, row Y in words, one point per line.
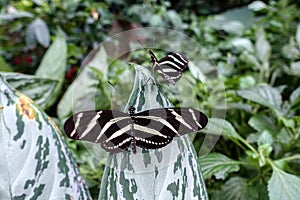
column 171, row 122
column 103, row 126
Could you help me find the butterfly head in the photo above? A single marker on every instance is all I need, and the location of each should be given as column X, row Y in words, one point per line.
column 131, row 110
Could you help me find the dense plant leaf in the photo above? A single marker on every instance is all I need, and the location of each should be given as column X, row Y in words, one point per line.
column 264, row 95
column 263, row 47
column 196, row 72
column 246, row 82
column 250, row 59
column 295, row 97
column 15, row 15
column 237, row 188
column 38, row 89
column 239, row 106
column 218, row 165
column 242, row 44
column 285, row 136
column 53, row 65
column 35, row 162
column 262, row 122
column 257, row 6
column 283, row 185
column 220, row 126
column 233, row 21
column 37, row 31
column 295, row 68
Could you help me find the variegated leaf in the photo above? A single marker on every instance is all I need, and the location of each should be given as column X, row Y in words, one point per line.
column 171, row 172
column 35, row 162
column 40, row 90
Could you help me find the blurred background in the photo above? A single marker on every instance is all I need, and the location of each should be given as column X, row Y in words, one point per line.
column 253, row 45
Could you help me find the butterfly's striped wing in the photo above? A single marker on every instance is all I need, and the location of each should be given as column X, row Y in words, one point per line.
column 166, row 123
column 170, row 67
column 149, row 129
column 110, row 128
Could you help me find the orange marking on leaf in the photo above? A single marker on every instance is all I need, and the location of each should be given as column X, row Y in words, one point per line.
column 24, row 107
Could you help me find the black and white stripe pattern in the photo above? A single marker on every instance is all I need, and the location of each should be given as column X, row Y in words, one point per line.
column 151, row 129
column 170, row 67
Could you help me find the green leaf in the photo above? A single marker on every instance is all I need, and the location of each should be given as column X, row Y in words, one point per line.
column 250, row 59
column 196, row 70
column 242, row 44
column 238, row 188
column 295, row 97
column 246, row 82
column 35, row 161
column 283, row 185
column 295, row 68
column 257, row 6
column 264, row 151
column 265, row 138
column 4, row 67
column 218, row 165
column 262, row 122
column 263, row 47
column 264, row 95
column 38, row 89
column 239, row 106
column 285, row 136
column 174, row 18
column 87, row 83
column 233, row 21
column 16, row 15
column 220, row 127
column 37, row 31
column 53, row 65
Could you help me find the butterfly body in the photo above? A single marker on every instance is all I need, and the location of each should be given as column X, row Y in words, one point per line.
column 170, row 67
column 150, row 129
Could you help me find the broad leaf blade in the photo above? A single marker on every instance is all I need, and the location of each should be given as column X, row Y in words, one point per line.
column 283, row 185
column 53, row 65
column 218, row 126
column 263, row 47
column 218, row 165
column 37, row 31
column 264, row 95
column 35, row 162
column 261, row 122
column 38, row 89
column 238, row 188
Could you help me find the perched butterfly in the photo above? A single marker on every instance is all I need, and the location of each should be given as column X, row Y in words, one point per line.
column 170, row 67
column 150, row 129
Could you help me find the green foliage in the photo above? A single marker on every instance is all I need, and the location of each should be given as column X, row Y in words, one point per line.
column 256, row 53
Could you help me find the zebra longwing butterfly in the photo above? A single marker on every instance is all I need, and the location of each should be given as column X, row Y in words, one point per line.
column 170, row 67
column 150, row 129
